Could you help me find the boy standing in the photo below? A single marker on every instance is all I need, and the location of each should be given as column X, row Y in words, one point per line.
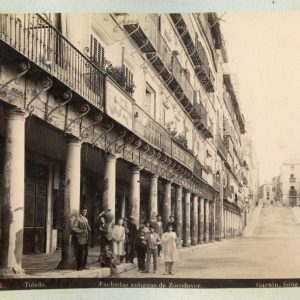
column 153, row 241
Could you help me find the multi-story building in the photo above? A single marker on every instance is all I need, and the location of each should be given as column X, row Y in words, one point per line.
column 289, row 183
column 121, row 112
column 266, row 193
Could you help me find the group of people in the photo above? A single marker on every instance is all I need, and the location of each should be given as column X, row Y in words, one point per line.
column 123, row 241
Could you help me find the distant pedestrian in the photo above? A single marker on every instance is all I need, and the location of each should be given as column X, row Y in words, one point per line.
column 153, row 241
column 118, row 235
column 132, row 235
column 81, row 229
column 141, row 250
column 169, row 250
column 158, row 225
column 171, row 222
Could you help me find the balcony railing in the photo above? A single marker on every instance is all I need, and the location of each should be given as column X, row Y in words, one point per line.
column 37, row 40
column 150, row 41
column 292, row 193
column 196, row 52
column 216, row 183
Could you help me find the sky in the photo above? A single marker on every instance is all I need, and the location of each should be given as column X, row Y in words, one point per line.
column 264, row 54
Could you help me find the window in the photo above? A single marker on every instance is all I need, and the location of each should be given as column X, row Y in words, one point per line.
column 150, row 101
column 96, row 52
column 292, row 188
column 129, row 85
column 292, row 178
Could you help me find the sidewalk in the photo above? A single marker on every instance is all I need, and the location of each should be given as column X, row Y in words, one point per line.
column 248, row 231
column 45, row 265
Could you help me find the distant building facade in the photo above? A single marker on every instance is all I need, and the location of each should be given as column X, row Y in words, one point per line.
column 266, row 193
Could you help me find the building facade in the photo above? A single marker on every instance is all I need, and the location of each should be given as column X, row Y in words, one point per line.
column 266, row 193
column 135, row 114
column 289, row 183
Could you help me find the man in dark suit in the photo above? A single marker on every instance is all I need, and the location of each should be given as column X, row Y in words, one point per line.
column 81, row 229
column 132, row 235
column 171, row 222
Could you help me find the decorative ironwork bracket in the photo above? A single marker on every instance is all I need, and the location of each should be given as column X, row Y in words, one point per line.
column 109, row 127
column 46, row 85
column 85, row 110
column 98, row 119
column 127, row 140
column 122, row 134
column 24, row 67
column 48, row 115
column 137, row 144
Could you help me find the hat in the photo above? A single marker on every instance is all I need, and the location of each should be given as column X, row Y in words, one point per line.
column 131, row 218
column 83, row 207
column 152, row 226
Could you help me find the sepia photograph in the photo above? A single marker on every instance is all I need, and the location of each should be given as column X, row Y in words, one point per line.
column 149, row 150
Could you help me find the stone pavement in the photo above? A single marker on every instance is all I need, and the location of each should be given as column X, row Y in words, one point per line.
column 44, row 266
column 271, row 252
column 253, row 221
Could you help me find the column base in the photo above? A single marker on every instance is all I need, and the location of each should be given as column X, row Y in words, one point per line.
column 11, row 272
column 194, row 243
column 218, row 239
column 186, row 243
column 66, row 265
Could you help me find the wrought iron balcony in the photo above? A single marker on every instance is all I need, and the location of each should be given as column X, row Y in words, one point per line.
column 216, row 183
column 196, row 52
column 292, row 193
column 34, row 38
column 147, row 37
column 221, row 148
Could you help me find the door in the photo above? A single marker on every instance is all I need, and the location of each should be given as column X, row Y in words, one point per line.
column 35, row 217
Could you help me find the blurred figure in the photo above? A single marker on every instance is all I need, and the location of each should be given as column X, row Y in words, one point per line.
column 118, row 235
column 170, row 254
column 153, row 241
column 158, row 225
column 132, row 236
column 141, row 249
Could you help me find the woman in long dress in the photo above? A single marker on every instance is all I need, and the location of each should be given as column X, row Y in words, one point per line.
column 170, row 254
column 118, row 235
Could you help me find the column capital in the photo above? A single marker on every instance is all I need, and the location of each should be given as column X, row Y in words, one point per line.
column 75, row 141
column 110, row 157
column 154, row 177
column 14, row 113
column 135, row 169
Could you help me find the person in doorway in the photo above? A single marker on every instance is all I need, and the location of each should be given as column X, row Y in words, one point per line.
column 132, row 235
column 171, row 222
column 103, row 236
column 158, row 225
column 118, row 235
column 169, row 250
column 81, row 229
column 153, row 241
column 141, row 249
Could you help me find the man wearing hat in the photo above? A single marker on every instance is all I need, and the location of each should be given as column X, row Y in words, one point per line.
column 132, row 235
column 81, row 229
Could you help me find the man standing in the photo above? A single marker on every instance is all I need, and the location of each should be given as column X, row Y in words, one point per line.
column 132, row 235
column 158, row 225
column 81, row 229
column 153, row 241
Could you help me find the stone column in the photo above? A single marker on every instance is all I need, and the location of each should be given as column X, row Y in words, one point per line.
column 206, row 226
column 134, row 198
column 167, row 202
column 109, row 193
column 201, row 221
column 218, row 219
column 49, row 210
column 71, row 200
column 123, row 203
column 195, row 221
column 212, row 222
column 152, row 209
column 187, row 224
column 12, row 210
column 179, row 214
